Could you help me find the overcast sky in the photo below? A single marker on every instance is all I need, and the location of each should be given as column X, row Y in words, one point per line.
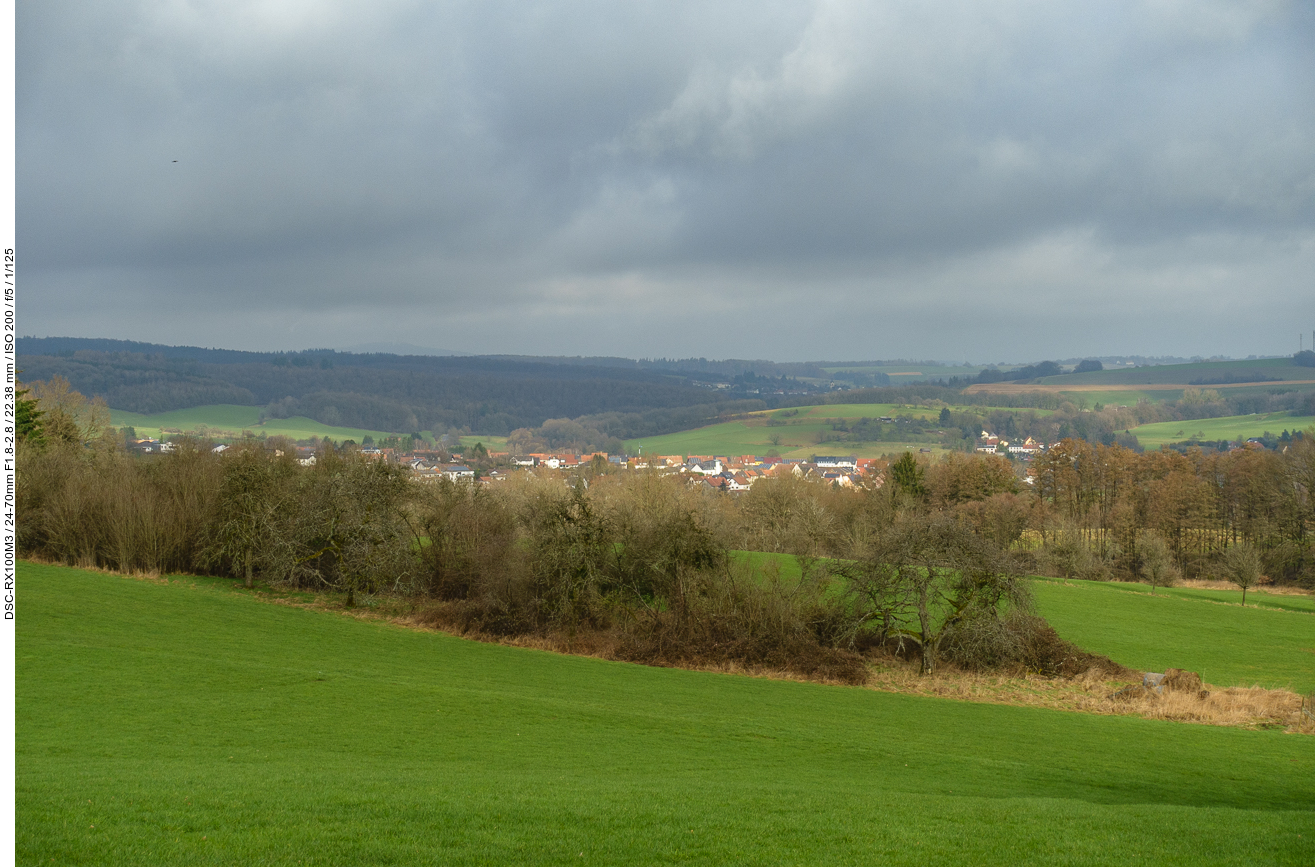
column 842, row 180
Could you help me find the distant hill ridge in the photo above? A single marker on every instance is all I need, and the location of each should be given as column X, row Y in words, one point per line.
column 491, row 394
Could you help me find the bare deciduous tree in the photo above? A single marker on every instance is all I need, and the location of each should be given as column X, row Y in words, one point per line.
column 1243, row 567
column 248, row 511
column 926, row 573
column 1157, row 561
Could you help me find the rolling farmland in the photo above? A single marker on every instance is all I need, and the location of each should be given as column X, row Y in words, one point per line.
column 1268, row 643
column 799, row 430
column 1164, row 382
column 225, row 421
column 1215, row 429
column 902, row 374
column 185, row 722
column 1271, row 642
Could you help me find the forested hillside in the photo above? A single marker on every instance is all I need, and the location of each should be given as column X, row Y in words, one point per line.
column 401, row 393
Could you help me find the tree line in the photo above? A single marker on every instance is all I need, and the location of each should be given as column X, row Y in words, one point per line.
column 635, row 565
column 610, row 399
column 489, row 396
column 1112, row 511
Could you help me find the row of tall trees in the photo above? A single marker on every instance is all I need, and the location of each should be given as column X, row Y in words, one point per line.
column 1200, row 504
column 399, row 394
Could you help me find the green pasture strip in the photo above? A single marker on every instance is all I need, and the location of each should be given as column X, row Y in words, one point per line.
column 726, row 438
column 788, row 569
column 1257, row 596
column 1280, row 368
column 1089, row 399
column 849, row 411
column 1273, row 387
column 226, row 421
column 184, row 723
column 1229, row 645
column 217, row 415
column 787, row 565
column 1226, row 428
column 867, row 449
column 1271, row 642
column 492, row 443
column 798, row 432
column 735, row 438
column 910, row 372
column 974, row 408
column 852, row 411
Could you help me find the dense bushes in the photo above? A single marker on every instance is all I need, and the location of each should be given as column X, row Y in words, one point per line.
column 638, row 562
column 927, row 563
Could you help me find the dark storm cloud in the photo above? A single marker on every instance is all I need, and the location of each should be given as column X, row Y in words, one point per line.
column 794, row 180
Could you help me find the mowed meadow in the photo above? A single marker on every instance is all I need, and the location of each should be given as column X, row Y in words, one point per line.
column 182, row 721
column 227, row 421
column 1231, row 428
column 1269, row 643
column 799, row 431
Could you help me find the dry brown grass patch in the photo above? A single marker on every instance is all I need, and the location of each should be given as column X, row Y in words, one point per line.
column 152, row 575
column 1095, row 692
column 1262, row 590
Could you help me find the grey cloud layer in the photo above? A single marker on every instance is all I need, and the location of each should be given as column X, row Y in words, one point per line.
column 671, row 178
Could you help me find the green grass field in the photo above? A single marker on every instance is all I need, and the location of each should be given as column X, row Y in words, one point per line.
column 492, row 443
column 854, row 411
column 186, row 723
column 798, row 434
column 1275, row 368
column 1089, row 399
column 227, row 421
column 753, row 438
column 1269, row 643
column 1228, row 428
column 904, row 373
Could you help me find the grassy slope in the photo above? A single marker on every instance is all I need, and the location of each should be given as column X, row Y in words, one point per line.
column 492, row 443
column 1228, row 428
column 1269, row 643
column 1278, row 368
column 787, row 565
column 1230, row 646
column 1162, row 382
column 902, row 373
column 1089, row 399
column 798, row 434
column 232, row 420
column 188, row 724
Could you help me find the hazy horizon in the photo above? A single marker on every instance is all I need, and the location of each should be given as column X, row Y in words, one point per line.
column 412, row 349
column 783, row 181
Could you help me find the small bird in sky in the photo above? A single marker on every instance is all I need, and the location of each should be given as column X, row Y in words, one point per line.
column 175, row 160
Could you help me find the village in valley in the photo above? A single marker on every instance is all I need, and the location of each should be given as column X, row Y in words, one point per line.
column 731, row 474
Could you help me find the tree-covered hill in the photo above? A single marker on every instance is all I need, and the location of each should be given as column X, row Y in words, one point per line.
column 376, row 390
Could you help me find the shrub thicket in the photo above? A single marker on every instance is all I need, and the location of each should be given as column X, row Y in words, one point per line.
column 928, row 562
column 640, row 562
